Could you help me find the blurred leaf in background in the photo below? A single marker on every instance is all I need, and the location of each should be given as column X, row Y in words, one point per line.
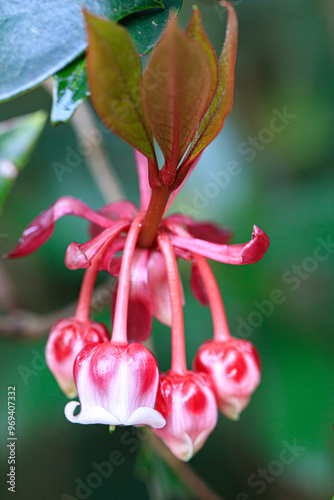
column 70, row 89
column 39, row 39
column 18, row 138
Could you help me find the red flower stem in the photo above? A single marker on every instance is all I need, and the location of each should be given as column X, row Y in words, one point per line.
column 179, row 363
column 182, row 173
column 88, row 283
column 221, row 330
column 119, row 333
column 154, row 214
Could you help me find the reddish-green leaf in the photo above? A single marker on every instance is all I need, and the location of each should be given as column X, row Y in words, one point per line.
column 114, row 75
column 176, row 89
column 196, row 31
column 222, row 102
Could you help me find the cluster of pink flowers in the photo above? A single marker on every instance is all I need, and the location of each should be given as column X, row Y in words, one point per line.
column 117, row 379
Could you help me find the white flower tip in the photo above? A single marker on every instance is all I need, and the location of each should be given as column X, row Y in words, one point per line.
column 146, row 416
column 70, row 393
column 183, row 449
column 69, row 411
column 234, row 407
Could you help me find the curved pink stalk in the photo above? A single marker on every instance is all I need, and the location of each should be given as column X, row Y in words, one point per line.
column 42, row 227
column 119, row 333
column 80, row 255
column 144, row 186
column 246, row 253
column 220, row 326
column 179, row 364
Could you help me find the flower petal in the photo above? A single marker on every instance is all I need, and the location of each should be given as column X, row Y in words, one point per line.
column 146, row 416
column 121, row 209
column 109, row 261
column 80, row 255
column 139, row 322
column 246, row 253
column 158, row 289
column 114, row 380
column 197, row 286
column 203, row 230
column 42, row 227
column 94, row 415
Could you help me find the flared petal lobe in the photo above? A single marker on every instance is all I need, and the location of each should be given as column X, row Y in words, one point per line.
column 121, row 209
column 190, row 409
column 234, row 368
column 117, row 385
column 246, row 253
column 42, row 227
column 80, row 255
column 67, row 338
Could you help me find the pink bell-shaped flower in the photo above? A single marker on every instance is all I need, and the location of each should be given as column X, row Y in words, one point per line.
column 234, row 368
column 184, row 398
column 189, row 406
column 66, row 339
column 117, row 382
column 117, row 385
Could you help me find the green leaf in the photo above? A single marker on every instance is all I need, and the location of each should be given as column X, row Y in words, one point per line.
column 71, row 86
column 17, row 140
column 114, row 74
column 222, row 102
column 176, row 94
column 196, row 31
column 146, row 28
column 37, row 39
column 70, row 89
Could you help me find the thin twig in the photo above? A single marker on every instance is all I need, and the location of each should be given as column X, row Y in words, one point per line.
column 98, row 162
column 21, row 323
column 8, row 292
column 198, row 487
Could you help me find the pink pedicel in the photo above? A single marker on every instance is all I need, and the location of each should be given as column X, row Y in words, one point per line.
column 66, row 339
column 234, row 368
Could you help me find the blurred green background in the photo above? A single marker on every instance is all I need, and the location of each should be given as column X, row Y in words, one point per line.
column 284, row 183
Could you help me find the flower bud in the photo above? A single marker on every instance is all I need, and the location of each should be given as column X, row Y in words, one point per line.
column 117, row 385
column 189, row 406
column 234, row 367
column 66, row 339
